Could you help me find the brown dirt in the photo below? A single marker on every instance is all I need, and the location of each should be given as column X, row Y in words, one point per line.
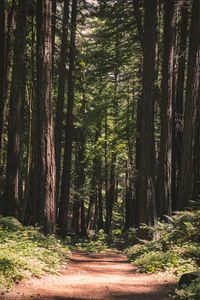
column 96, row 276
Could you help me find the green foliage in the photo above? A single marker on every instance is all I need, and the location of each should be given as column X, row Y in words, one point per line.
column 192, row 292
column 95, row 242
column 25, row 252
column 175, row 247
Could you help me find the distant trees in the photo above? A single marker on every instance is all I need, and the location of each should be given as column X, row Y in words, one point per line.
column 99, row 112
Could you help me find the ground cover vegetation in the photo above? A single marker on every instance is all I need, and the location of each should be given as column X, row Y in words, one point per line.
column 99, row 125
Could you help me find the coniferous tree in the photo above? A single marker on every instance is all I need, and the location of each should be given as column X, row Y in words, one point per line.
column 66, row 175
column 185, row 187
column 43, row 139
column 146, row 189
column 61, row 94
column 11, row 200
column 165, row 158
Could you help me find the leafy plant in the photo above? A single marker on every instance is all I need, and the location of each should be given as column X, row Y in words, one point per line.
column 25, row 252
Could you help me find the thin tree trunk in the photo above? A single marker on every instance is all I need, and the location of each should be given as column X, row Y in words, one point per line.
column 93, row 195
column 110, row 197
column 99, row 192
column 60, row 99
column 66, row 175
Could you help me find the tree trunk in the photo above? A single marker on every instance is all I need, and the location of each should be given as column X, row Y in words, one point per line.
column 65, row 186
column 110, row 197
column 53, row 25
column 93, row 195
column 16, row 95
column 185, row 187
column 146, row 189
column 165, row 159
column 45, row 144
column 178, row 114
column 60, row 99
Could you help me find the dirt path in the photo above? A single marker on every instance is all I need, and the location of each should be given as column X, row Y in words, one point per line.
column 95, row 276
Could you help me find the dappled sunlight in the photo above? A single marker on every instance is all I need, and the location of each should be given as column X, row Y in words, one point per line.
column 109, row 275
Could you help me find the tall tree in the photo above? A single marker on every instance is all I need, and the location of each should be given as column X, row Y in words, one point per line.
column 61, row 93
column 66, row 175
column 185, row 188
column 165, row 159
column 146, row 189
column 45, row 142
column 178, row 109
column 16, row 94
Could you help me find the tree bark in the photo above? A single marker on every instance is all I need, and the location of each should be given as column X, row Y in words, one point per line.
column 178, row 109
column 192, row 102
column 16, row 95
column 65, row 186
column 45, row 144
column 146, row 189
column 165, row 159
column 60, row 99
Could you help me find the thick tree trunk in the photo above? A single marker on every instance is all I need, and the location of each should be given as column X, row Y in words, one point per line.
column 16, row 95
column 60, row 99
column 165, row 160
column 66, row 175
column 45, row 141
column 185, row 187
column 146, row 189
column 10, row 26
column 178, row 109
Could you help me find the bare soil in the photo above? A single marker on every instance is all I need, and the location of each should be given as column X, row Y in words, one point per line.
column 96, row 276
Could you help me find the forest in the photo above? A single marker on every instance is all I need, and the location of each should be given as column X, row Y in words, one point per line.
column 100, row 123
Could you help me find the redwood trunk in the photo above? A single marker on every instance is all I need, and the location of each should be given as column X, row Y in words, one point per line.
column 46, row 155
column 185, row 188
column 66, row 175
column 146, row 189
column 165, row 163
column 61, row 94
column 16, row 95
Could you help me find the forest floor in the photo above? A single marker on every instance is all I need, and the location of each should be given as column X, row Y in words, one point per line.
column 107, row 275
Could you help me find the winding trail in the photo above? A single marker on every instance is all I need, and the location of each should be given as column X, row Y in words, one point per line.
column 95, row 276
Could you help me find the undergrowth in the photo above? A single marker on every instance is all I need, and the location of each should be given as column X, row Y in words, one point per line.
column 94, row 242
column 175, row 249
column 25, row 252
